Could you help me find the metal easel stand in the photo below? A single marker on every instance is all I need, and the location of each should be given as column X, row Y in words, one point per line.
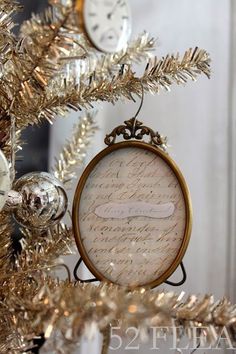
column 92, row 280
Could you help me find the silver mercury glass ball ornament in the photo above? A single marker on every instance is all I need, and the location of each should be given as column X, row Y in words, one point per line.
column 38, row 200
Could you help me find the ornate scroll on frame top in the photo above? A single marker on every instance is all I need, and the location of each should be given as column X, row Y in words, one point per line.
column 133, row 129
column 132, row 212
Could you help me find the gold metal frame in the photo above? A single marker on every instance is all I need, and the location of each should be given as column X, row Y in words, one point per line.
column 79, row 7
column 184, row 188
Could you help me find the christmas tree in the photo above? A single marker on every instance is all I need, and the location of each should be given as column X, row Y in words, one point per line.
column 48, row 70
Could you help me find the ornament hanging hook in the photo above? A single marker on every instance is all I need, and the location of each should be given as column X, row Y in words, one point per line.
column 139, row 109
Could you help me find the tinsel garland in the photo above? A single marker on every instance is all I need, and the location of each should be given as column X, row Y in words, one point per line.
column 70, row 310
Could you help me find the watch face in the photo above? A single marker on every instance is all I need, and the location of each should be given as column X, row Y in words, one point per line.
column 4, row 180
column 108, row 23
column 132, row 215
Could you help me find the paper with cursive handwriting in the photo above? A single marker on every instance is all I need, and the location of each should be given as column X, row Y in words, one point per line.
column 132, row 216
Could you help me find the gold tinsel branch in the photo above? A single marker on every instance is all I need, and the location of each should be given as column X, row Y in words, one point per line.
column 6, row 251
column 7, row 43
column 35, row 60
column 81, row 47
column 138, row 50
column 41, row 250
column 7, row 47
column 69, row 40
column 42, row 52
column 159, row 74
column 74, row 152
column 70, row 310
column 106, row 65
column 7, row 39
column 7, row 9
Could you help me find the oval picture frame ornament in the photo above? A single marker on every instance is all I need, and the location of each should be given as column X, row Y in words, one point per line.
column 132, row 213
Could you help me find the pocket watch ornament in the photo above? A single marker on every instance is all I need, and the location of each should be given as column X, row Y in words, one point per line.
column 132, row 212
column 38, row 200
column 107, row 24
column 5, row 182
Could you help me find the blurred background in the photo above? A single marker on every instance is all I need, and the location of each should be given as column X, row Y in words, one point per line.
column 200, row 125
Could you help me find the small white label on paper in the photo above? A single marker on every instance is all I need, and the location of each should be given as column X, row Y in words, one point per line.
column 132, row 209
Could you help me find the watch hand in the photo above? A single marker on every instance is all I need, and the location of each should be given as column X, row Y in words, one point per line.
column 113, row 10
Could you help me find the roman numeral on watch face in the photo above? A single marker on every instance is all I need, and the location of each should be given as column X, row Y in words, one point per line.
column 95, row 27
